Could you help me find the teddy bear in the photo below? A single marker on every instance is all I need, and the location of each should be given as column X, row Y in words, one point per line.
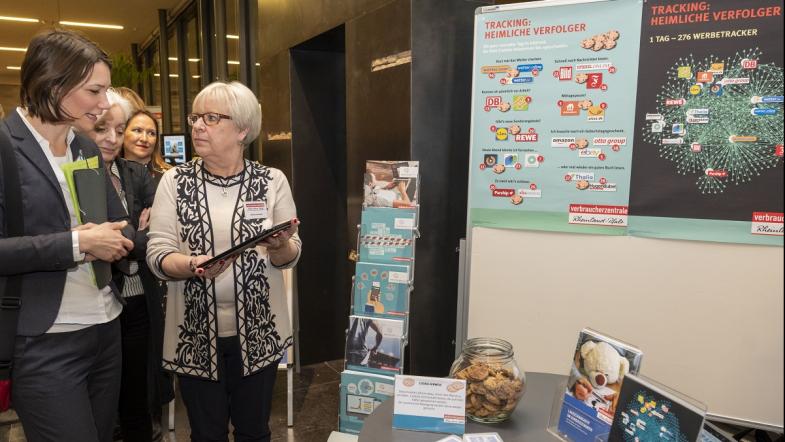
column 602, row 364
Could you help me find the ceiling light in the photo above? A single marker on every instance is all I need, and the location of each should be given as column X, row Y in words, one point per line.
column 232, row 62
column 196, row 76
column 156, row 75
column 6, row 48
column 14, row 68
column 172, row 58
column 233, row 37
column 90, row 25
column 26, row 20
column 193, row 60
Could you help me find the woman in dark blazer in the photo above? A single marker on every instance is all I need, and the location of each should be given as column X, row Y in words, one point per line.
column 66, row 362
column 142, row 319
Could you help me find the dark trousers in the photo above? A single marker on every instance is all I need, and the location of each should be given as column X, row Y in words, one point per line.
column 244, row 400
column 65, row 385
column 135, row 417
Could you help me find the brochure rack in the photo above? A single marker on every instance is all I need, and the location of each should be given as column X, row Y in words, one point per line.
column 377, row 331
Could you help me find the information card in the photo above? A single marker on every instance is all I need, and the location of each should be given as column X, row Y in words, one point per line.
column 429, row 404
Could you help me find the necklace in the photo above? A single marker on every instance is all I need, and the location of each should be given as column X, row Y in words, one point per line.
column 223, row 182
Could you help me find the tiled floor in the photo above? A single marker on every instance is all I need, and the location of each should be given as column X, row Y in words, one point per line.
column 315, row 408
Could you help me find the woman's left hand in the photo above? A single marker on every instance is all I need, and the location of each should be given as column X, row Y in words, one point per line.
column 280, row 239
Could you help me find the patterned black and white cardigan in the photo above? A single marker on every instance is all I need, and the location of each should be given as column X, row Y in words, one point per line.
column 180, row 222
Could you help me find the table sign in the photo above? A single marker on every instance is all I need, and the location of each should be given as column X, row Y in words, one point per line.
column 482, row 437
column 429, row 404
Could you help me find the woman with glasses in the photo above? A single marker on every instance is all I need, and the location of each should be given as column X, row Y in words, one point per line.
column 227, row 326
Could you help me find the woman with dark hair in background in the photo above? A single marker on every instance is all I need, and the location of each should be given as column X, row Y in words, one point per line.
column 141, row 143
column 67, row 361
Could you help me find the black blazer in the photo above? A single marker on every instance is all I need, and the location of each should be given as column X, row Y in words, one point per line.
column 44, row 254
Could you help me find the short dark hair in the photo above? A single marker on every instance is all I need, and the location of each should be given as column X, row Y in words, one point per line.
column 56, row 62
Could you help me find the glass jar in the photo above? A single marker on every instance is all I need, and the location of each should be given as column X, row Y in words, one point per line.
column 494, row 383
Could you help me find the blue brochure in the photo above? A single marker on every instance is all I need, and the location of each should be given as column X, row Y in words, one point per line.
column 361, row 393
column 387, row 235
column 381, row 290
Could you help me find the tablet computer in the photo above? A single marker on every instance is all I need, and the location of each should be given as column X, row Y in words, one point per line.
column 250, row 242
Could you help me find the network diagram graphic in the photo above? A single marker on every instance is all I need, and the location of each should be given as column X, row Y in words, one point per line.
column 647, row 419
column 719, row 119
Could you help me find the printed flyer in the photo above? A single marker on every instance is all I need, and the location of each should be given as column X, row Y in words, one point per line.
column 381, row 290
column 600, row 365
column 361, row 394
column 429, row 404
column 553, row 116
column 708, row 159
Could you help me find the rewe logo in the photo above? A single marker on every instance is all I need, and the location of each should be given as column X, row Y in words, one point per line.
column 531, row 137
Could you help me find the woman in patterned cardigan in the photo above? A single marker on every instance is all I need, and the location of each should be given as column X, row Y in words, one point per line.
column 227, row 326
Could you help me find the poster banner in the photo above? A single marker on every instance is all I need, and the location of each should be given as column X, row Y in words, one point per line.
column 553, row 115
column 708, row 158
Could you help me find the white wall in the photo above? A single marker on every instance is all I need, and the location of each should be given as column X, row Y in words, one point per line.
column 708, row 316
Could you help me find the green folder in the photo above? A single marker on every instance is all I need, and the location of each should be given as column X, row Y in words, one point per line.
column 87, row 183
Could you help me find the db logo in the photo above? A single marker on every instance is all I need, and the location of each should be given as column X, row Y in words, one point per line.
column 749, row 64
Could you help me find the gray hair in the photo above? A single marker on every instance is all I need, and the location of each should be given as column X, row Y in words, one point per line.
column 115, row 99
column 242, row 105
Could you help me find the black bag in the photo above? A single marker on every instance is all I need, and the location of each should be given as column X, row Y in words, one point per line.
column 10, row 300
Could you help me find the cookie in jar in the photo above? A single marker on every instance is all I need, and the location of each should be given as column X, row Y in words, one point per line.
column 494, row 382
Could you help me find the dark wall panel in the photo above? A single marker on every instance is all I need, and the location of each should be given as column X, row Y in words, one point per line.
column 377, row 103
column 319, row 173
column 441, row 89
column 286, row 23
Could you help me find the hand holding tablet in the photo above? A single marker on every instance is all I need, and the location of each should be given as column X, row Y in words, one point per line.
column 273, row 238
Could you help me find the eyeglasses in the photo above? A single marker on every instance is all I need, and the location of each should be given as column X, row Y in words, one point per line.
column 209, row 118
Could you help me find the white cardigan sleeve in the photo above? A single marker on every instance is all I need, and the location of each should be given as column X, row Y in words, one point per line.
column 162, row 236
column 284, row 210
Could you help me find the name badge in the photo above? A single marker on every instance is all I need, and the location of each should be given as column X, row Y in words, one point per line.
column 255, row 209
